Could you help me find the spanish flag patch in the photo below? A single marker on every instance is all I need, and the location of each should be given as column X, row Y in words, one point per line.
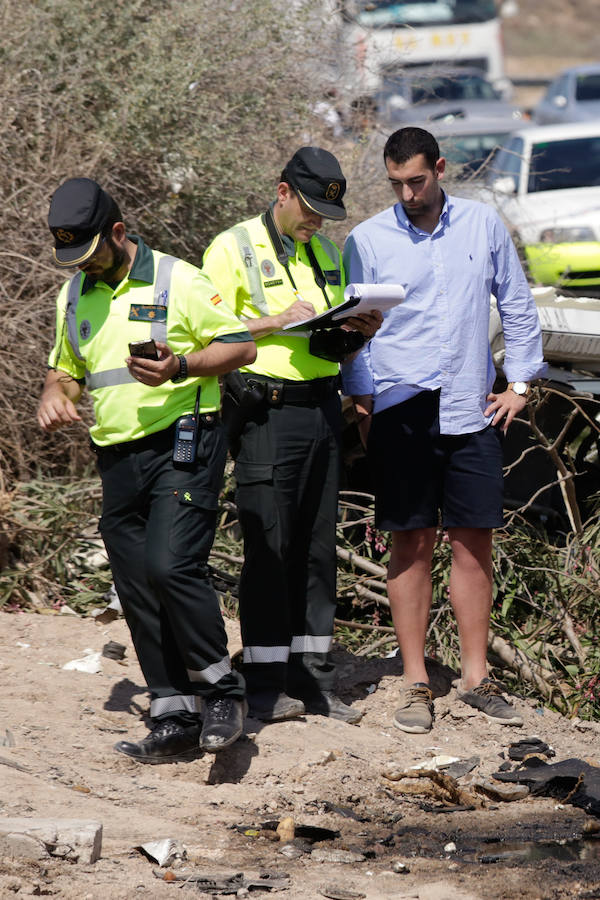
column 216, row 299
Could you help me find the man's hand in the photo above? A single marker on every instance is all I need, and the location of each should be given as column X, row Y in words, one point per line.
column 363, row 408
column 299, row 311
column 506, row 406
column 366, row 323
column 154, row 371
column 57, row 403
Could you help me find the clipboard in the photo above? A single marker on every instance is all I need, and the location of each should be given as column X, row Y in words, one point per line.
column 358, row 298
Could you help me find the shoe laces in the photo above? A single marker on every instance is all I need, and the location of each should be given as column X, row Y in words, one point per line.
column 219, row 707
column 418, row 695
column 488, row 688
column 165, row 727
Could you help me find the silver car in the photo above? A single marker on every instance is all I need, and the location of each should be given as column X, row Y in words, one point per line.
column 573, row 96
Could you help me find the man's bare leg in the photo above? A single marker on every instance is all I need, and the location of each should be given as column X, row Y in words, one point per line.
column 471, row 598
column 409, row 592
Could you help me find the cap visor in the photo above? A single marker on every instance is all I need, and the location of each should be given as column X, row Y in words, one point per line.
column 75, row 256
column 323, row 208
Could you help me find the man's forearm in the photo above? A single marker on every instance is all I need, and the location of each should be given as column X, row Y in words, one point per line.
column 220, row 357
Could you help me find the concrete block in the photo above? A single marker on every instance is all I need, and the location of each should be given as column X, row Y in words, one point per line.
column 78, row 840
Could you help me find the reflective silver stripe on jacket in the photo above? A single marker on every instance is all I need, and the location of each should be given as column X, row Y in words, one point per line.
column 249, row 258
column 330, row 249
column 162, row 286
column 311, row 643
column 71, row 310
column 266, row 654
column 178, row 703
column 213, row 673
column 158, row 330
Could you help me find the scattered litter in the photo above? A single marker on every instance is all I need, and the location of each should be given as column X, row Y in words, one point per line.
column 110, row 612
column 371, row 689
column 337, row 856
column 163, row 852
column 89, row 663
column 67, row 611
column 22, row 645
column 291, row 851
column 431, row 783
column 462, row 767
column 520, row 750
column 333, row 892
column 286, row 830
column 232, row 884
column 436, row 762
column 483, row 785
column 400, row 868
column 450, row 847
column 572, row 781
column 113, row 650
column 312, row 833
column 8, row 739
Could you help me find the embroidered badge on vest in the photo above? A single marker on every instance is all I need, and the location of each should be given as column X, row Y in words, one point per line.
column 267, row 268
column 139, row 312
column 274, row 283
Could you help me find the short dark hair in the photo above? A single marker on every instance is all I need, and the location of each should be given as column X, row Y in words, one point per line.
column 405, row 143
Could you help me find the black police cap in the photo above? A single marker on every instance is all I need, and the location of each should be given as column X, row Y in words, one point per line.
column 79, row 210
column 316, row 176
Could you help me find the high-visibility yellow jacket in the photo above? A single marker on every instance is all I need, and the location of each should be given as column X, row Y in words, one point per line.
column 161, row 297
column 242, row 264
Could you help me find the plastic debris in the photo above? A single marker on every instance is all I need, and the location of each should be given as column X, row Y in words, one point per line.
column 435, row 763
column 529, row 746
column 400, row 868
column 286, row 830
column 163, row 852
column 89, row 663
column 114, row 650
column 333, row 892
column 229, row 884
column 110, row 612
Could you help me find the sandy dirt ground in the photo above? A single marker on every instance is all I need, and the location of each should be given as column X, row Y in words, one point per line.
column 58, row 727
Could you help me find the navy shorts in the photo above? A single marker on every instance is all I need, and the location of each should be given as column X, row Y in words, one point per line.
column 419, row 473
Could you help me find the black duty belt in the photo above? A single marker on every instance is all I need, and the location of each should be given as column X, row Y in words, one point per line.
column 277, row 393
column 158, row 440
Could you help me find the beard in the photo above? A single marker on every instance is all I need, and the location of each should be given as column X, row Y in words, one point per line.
column 119, row 259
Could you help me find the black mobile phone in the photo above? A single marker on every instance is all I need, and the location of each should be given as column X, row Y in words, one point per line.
column 186, row 438
column 145, row 349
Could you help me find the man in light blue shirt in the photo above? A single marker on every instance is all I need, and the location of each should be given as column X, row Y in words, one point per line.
column 423, row 394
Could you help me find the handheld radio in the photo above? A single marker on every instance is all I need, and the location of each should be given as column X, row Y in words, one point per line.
column 186, row 436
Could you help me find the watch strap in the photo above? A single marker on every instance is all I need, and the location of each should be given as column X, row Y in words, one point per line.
column 183, row 370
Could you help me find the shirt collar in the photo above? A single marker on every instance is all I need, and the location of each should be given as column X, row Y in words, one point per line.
column 405, row 222
column 141, row 270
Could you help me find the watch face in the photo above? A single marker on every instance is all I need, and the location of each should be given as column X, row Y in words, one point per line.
column 520, row 387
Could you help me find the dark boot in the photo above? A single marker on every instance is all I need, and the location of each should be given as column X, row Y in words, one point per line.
column 326, row 703
column 274, row 706
column 223, row 722
column 168, row 741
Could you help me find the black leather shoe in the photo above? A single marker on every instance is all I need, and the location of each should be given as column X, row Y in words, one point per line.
column 223, row 723
column 167, row 742
column 274, row 706
column 326, row 703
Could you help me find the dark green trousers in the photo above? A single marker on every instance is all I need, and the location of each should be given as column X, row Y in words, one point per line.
column 158, row 525
column 287, row 474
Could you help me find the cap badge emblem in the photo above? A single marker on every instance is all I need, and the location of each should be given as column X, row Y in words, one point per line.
column 333, row 190
column 267, row 268
column 65, row 236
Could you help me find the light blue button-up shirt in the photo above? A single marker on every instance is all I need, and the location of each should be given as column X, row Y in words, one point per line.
column 438, row 336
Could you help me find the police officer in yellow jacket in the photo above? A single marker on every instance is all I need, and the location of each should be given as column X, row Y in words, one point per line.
column 274, row 270
column 159, row 494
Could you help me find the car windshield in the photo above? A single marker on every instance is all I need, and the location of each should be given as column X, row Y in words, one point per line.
column 440, row 88
column 557, row 165
column 422, row 12
column 471, row 151
column 588, row 87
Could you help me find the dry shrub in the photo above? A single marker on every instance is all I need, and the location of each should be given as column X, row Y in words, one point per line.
column 185, row 110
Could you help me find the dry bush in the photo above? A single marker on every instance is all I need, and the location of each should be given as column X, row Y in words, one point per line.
column 185, row 110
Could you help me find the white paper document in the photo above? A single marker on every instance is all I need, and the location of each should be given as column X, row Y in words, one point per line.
column 358, row 298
